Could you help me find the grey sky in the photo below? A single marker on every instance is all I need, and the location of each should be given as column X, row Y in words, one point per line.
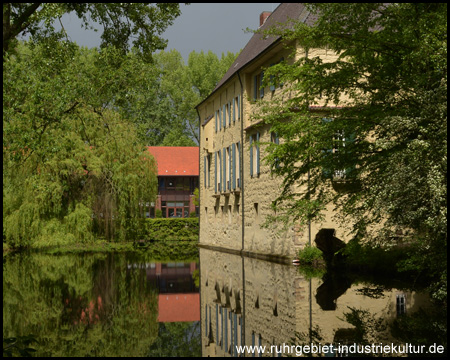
column 219, row 27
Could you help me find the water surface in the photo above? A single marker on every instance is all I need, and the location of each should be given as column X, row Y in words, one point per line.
column 111, row 304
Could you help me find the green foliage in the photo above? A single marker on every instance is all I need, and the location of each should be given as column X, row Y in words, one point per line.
column 79, row 305
column 312, row 271
column 368, row 259
column 310, row 255
column 142, row 22
column 197, row 197
column 72, row 167
column 386, row 93
column 177, row 339
column 162, row 99
column 367, row 327
column 423, row 327
column 172, row 229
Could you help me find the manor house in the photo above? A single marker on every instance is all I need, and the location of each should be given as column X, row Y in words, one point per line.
column 236, row 187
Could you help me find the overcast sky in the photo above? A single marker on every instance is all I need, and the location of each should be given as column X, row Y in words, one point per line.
column 219, row 27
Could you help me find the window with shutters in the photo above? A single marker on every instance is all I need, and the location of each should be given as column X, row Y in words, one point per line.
column 218, row 172
column 237, row 102
column 216, row 117
column 274, row 139
column 235, row 167
column 254, row 155
column 206, row 169
column 224, row 170
column 224, row 115
column 209, row 159
column 258, row 89
column 228, row 169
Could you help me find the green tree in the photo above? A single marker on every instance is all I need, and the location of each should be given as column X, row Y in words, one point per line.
column 73, row 168
column 162, row 100
column 388, row 88
column 142, row 22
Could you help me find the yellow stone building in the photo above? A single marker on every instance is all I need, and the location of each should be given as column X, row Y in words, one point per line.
column 236, row 187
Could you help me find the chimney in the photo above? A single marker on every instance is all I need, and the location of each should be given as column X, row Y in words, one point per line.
column 263, row 17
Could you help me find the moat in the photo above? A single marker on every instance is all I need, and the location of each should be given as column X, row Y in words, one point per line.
column 125, row 304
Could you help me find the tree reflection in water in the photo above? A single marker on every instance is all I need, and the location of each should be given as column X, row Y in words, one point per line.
column 81, row 305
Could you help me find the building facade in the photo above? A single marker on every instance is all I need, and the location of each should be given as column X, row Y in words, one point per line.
column 236, row 186
column 178, row 173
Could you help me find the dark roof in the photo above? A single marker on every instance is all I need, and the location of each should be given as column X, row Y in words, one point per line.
column 257, row 44
column 207, row 120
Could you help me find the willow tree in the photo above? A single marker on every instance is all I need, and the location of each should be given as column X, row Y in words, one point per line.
column 383, row 104
column 73, row 168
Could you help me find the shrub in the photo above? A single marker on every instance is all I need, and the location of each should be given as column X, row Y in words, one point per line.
column 172, row 229
column 310, row 255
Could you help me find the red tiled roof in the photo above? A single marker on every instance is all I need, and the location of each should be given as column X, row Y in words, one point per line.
column 176, row 160
column 178, row 307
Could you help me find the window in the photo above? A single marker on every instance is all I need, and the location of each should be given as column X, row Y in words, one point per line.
column 258, row 89
column 209, row 169
column 401, row 304
column 206, row 169
column 255, row 206
column 224, row 116
column 238, row 165
column 224, row 172
column 162, row 185
column 170, row 183
column 229, row 168
column 217, row 171
column 234, row 167
column 337, row 164
column 254, row 155
column 275, row 140
column 217, row 323
column 260, row 345
column 272, row 81
column 253, row 343
column 219, row 115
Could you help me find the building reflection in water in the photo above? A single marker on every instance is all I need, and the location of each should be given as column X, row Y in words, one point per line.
column 178, row 299
column 246, row 301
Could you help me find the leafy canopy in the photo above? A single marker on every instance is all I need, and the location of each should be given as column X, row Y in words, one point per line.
column 73, row 168
column 365, row 130
column 142, row 22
